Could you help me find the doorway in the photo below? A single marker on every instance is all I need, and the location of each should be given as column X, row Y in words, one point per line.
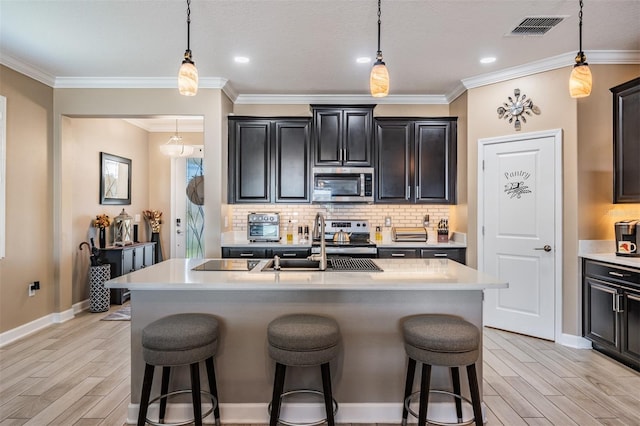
column 520, row 231
column 187, row 239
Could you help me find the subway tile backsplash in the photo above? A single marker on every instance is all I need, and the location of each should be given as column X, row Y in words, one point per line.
column 400, row 214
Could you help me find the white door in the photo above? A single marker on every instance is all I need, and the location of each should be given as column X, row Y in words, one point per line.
column 519, row 241
column 187, row 239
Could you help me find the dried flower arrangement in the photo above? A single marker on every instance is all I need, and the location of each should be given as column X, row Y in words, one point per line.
column 101, row 221
column 154, row 219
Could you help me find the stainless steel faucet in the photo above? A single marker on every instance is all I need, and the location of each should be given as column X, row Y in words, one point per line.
column 318, row 222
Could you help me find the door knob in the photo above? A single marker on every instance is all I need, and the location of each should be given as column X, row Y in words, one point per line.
column 546, row 248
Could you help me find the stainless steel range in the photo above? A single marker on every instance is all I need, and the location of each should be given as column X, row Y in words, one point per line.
column 346, row 237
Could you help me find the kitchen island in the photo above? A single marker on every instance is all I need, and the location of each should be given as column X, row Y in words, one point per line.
column 368, row 375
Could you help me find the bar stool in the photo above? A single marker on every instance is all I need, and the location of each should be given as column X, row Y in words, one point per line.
column 443, row 340
column 303, row 340
column 181, row 339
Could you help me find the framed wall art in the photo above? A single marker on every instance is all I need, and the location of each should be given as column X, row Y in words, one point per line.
column 115, row 179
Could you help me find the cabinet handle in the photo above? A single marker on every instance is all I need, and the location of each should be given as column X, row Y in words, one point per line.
column 288, row 255
column 397, row 254
column 618, row 274
column 417, row 192
column 246, row 254
column 619, row 302
column 408, row 193
column 440, row 255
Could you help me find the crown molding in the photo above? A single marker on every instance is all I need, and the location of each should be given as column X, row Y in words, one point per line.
column 552, row 63
column 133, row 83
column 27, row 69
column 340, row 99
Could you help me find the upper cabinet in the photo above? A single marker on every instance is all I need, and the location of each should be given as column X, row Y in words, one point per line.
column 415, row 160
column 342, row 136
column 269, row 160
column 626, row 142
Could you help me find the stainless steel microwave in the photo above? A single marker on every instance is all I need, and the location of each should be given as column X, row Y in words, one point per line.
column 342, row 185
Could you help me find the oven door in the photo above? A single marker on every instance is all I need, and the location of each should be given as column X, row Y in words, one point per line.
column 263, row 232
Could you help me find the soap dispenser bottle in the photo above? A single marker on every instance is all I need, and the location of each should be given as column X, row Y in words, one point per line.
column 289, row 232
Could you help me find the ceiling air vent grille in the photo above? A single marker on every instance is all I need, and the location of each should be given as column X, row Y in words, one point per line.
column 535, row 25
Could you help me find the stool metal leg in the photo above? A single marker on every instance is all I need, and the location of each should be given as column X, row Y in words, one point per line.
column 424, row 394
column 164, row 389
column 408, row 387
column 475, row 393
column 455, row 378
column 278, row 386
column 328, row 396
column 195, row 392
column 213, row 387
column 146, row 393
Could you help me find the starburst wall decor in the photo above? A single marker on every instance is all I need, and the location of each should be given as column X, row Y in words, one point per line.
column 516, row 109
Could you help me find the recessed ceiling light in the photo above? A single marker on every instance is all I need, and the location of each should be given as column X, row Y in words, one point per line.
column 488, row 60
column 241, row 59
column 363, row 60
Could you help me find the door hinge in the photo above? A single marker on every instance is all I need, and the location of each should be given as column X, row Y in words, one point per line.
column 482, row 165
column 483, row 230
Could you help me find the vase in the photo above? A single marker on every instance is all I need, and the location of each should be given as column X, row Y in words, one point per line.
column 102, row 237
column 155, row 238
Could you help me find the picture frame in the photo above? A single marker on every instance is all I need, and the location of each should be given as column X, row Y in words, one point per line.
column 115, row 179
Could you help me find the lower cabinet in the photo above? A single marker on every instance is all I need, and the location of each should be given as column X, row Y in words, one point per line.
column 124, row 260
column 265, row 252
column 611, row 310
column 457, row 254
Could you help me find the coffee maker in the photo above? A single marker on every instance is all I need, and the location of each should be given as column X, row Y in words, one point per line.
column 628, row 237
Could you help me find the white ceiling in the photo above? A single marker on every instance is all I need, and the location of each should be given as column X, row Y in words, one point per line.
column 306, row 48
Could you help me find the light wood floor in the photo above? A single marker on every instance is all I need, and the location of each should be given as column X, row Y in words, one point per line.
column 77, row 373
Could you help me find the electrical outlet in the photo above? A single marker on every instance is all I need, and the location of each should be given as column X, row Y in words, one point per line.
column 32, row 291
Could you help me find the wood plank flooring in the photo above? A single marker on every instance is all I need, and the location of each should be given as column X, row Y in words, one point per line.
column 77, row 373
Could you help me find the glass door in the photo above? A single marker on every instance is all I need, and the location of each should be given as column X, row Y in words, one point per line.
column 188, row 196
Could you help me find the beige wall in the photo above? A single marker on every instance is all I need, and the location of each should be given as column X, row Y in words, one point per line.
column 596, row 211
column 459, row 211
column 29, row 221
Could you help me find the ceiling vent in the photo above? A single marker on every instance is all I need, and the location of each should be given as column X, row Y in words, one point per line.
column 535, row 25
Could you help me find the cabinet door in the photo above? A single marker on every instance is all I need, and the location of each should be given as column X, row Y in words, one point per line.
column 402, row 253
column 138, row 258
column 244, row 252
column 458, row 255
column 600, row 317
column 327, row 138
column 149, row 255
column 128, row 264
column 393, row 149
column 292, row 163
column 357, row 138
column 291, row 252
column 631, row 325
column 249, row 161
column 626, row 136
column 435, row 162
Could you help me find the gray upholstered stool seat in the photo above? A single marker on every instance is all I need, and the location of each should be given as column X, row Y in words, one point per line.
column 443, row 340
column 180, row 339
column 302, row 340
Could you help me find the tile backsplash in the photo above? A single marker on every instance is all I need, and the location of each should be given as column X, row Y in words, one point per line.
column 303, row 214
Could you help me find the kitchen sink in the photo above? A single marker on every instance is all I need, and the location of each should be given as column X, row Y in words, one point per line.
column 345, row 264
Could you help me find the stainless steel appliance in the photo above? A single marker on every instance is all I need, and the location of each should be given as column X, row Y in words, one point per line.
column 263, row 227
column 342, row 185
column 358, row 243
column 628, row 237
column 416, row 234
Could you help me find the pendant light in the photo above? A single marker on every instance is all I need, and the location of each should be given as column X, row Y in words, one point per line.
column 379, row 79
column 188, row 74
column 175, row 147
column 580, row 81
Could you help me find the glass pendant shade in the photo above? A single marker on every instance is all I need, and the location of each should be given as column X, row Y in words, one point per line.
column 188, row 79
column 379, row 80
column 580, row 81
column 175, row 147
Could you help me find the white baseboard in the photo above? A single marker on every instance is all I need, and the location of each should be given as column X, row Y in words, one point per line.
column 80, row 306
column 252, row 413
column 35, row 325
column 573, row 341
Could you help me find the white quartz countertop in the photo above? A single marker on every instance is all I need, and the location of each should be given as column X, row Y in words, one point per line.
column 398, row 274
column 633, row 262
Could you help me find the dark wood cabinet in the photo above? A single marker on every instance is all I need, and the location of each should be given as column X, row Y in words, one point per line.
column 269, row 160
column 416, row 160
column 124, row 260
column 399, row 253
column 626, row 142
column 457, row 254
column 611, row 310
column 265, row 252
column 343, row 136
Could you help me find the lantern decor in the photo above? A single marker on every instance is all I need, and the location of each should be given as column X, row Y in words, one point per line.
column 154, row 219
column 101, row 222
column 122, row 226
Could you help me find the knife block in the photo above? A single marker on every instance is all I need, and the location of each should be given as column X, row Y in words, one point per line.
column 443, row 236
